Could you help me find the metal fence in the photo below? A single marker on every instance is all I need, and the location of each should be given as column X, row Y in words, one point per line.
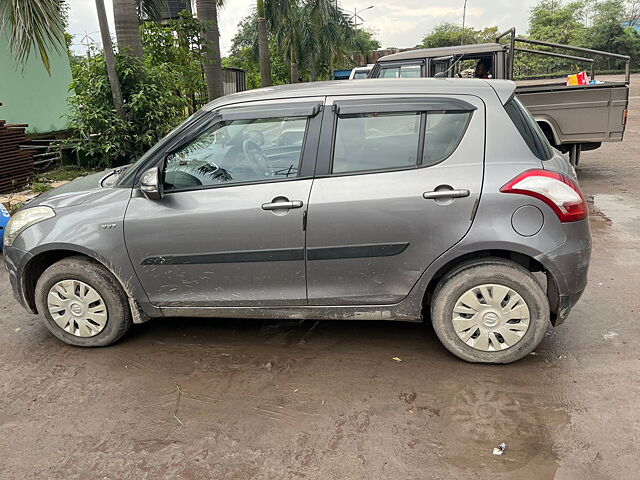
column 16, row 164
column 234, row 80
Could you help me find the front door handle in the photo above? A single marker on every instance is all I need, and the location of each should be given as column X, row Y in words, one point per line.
column 282, row 205
column 444, row 194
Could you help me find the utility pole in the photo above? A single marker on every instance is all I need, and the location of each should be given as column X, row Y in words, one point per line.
column 356, row 15
column 464, row 18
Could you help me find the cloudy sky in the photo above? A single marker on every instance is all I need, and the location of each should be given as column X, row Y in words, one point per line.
column 398, row 23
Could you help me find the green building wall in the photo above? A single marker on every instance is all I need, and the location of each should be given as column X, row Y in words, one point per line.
column 29, row 95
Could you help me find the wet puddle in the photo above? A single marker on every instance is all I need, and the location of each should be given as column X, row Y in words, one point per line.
column 615, row 212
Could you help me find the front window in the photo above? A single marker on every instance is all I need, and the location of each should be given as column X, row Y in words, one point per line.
column 464, row 66
column 238, row 151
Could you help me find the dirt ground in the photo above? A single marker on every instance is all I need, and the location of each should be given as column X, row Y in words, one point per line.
column 222, row 399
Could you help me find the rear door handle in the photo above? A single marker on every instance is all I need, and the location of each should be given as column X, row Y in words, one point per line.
column 438, row 194
column 282, row 205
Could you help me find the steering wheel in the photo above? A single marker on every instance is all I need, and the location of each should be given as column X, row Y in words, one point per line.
column 255, row 135
column 256, row 157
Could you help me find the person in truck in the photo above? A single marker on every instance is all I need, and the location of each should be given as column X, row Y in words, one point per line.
column 482, row 68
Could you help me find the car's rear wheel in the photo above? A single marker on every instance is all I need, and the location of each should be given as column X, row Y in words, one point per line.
column 493, row 311
column 82, row 303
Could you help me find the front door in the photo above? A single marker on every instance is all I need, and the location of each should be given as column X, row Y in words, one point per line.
column 229, row 229
column 396, row 188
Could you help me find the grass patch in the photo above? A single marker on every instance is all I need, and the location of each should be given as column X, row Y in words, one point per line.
column 39, row 187
column 61, row 173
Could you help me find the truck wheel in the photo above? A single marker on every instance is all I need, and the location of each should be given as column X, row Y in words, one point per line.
column 82, row 303
column 494, row 311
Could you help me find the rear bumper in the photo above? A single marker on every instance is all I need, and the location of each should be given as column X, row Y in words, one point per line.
column 565, row 304
column 14, row 262
column 568, row 265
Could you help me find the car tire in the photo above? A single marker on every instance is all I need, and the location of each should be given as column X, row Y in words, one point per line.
column 112, row 302
column 522, row 287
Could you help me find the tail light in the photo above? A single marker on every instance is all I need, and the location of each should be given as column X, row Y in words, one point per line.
column 625, row 114
column 555, row 189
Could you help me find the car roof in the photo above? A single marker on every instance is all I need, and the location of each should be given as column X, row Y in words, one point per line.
column 378, row 86
column 442, row 51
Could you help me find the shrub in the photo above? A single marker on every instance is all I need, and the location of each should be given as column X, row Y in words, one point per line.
column 152, row 107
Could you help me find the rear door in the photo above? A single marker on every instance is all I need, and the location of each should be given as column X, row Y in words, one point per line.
column 396, row 184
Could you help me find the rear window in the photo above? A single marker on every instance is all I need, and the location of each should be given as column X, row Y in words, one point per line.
column 444, row 133
column 529, row 129
column 372, row 141
column 382, row 141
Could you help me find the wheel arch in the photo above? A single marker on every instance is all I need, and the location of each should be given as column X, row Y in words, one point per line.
column 44, row 257
column 549, row 130
column 524, row 260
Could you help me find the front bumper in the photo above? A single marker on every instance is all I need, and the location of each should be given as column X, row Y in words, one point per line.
column 14, row 262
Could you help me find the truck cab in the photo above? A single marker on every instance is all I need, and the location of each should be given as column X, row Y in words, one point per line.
column 443, row 62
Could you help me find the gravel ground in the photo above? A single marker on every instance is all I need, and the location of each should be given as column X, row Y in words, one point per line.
column 213, row 399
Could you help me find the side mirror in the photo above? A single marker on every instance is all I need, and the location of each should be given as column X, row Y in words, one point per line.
column 150, row 184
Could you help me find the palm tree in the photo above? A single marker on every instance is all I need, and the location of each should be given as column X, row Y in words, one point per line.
column 328, row 35
column 263, row 46
column 110, row 60
column 32, row 23
column 288, row 38
column 208, row 13
column 125, row 15
column 311, row 33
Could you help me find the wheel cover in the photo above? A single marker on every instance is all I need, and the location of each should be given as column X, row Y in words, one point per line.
column 77, row 308
column 491, row 317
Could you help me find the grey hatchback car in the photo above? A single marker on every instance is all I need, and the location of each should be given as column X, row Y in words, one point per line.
column 397, row 200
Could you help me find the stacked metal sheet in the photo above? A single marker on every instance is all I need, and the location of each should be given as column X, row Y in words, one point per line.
column 16, row 165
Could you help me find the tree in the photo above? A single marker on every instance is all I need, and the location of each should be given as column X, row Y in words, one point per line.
column 116, row 94
column 633, row 12
column 208, row 14
column 32, row 23
column 177, row 46
column 125, row 15
column 245, row 55
column 311, row 36
column 364, row 41
column 263, row 45
column 449, row 34
column 607, row 33
column 558, row 22
column 327, row 36
column 311, row 32
column 103, row 139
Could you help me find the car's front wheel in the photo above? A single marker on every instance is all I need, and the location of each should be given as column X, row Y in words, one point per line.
column 82, row 303
column 493, row 311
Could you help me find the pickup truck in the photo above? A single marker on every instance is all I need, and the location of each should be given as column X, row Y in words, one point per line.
column 573, row 118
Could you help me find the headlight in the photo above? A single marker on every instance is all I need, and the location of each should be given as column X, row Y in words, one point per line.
column 24, row 219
